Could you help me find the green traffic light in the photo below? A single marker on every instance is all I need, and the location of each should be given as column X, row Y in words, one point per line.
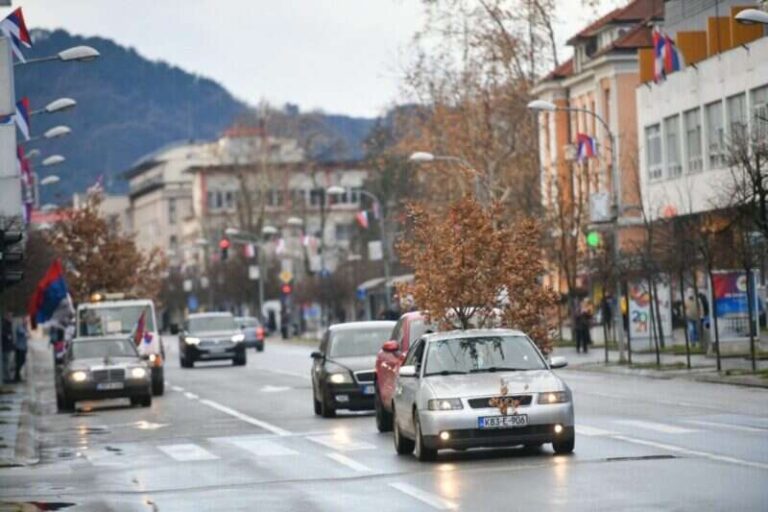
column 593, row 239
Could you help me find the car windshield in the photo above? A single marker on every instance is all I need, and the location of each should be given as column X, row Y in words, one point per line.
column 212, row 323
column 246, row 321
column 109, row 320
column 481, row 354
column 103, row 348
column 365, row 341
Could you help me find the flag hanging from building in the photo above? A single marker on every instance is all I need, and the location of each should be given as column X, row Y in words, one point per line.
column 587, row 147
column 667, row 57
column 51, row 291
column 673, row 58
column 22, row 116
column 14, row 28
column 658, row 55
column 362, row 219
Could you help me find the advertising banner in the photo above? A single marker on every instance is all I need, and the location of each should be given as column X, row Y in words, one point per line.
column 640, row 326
column 729, row 296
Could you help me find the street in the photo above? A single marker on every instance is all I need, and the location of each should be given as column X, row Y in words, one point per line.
column 245, row 438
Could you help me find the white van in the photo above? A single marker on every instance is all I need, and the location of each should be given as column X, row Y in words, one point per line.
column 115, row 317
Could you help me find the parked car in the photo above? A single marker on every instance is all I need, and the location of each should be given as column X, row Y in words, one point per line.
column 342, row 371
column 99, row 367
column 253, row 330
column 210, row 337
column 480, row 388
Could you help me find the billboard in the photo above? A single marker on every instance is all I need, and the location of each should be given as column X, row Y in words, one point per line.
column 729, row 298
column 640, row 326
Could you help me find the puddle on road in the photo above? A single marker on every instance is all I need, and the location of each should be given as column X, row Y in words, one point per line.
column 89, row 430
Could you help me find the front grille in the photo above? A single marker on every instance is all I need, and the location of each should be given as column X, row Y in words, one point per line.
column 215, row 343
column 482, row 403
column 366, row 376
column 109, row 375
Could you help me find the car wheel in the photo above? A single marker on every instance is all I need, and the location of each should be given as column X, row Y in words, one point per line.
column 383, row 417
column 239, row 360
column 67, row 405
column 403, row 445
column 421, row 452
column 260, row 347
column 326, row 409
column 146, row 401
column 158, row 381
column 564, row 446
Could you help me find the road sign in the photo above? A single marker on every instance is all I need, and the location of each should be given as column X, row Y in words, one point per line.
column 253, row 272
column 286, row 276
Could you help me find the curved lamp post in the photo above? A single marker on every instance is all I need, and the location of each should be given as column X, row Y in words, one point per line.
column 422, row 157
column 752, row 17
column 50, row 180
column 53, row 160
column 58, row 105
column 76, row 53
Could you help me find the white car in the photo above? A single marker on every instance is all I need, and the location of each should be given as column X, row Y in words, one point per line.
column 480, row 388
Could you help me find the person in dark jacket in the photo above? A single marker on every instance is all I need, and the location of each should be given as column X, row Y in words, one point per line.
column 583, row 324
column 22, row 336
column 6, row 333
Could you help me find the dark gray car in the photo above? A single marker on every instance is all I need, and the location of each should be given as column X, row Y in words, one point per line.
column 211, row 337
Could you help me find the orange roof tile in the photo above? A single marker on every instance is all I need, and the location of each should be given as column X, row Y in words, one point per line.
column 635, row 11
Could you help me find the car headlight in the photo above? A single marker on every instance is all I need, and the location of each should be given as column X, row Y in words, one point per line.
column 444, row 404
column 238, row 338
column 340, row 378
column 138, row 373
column 79, row 376
column 191, row 340
column 554, row 397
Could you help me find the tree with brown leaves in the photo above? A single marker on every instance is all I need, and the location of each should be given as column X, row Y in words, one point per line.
column 470, row 269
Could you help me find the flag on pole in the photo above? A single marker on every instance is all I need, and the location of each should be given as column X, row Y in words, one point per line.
column 673, row 58
column 362, row 219
column 658, row 55
column 22, row 116
column 14, row 28
column 51, row 291
column 138, row 334
column 587, row 147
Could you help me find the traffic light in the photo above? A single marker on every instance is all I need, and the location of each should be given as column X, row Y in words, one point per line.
column 11, row 257
column 286, row 289
column 224, row 246
column 593, row 239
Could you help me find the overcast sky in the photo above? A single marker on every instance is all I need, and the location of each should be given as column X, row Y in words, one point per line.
column 342, row 56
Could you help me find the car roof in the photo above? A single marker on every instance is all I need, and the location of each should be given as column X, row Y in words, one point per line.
column 210, row 314
column 114, row 303
column 374, row 324
column 86, row 339
column 472, row 333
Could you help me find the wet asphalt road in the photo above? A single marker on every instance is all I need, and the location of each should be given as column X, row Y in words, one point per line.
column 245, row 438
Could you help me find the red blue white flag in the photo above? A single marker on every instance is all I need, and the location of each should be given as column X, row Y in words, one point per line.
column 51, row 291
column 587, row 147
column 658, row 55
column 673, row 58
column 362, row 219
column 14, row 28
column 22, row 116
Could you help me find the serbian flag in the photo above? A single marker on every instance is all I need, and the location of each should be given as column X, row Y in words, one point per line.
column 362, row 219
column 23, row 165
column 280, row 247
column 51, row 291
column 22, row 116
column 659, row 42
column 673, row 58
column 14, row 28
column 138, row 334
column 587, row 147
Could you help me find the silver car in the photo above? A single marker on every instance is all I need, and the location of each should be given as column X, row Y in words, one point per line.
column 480, row 388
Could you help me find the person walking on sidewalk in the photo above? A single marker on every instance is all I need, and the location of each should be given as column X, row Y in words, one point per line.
column 22, row 336
column 583, row 324
column 6, row 333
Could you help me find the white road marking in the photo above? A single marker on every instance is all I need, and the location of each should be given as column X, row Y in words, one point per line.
column 274, row 389
column 433, row 500
column 177, row 388
column 191, row 396
column 244, row 417
column 346, row 461
column 658, row 427
column 257, row 445
column 695, row 453
column 283, row 372
column 342, row 442
column 728, row 426
column 186, row 452
column 585, row 430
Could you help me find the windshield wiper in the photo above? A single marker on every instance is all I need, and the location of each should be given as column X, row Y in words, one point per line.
column 446, row 372
column 499, row 369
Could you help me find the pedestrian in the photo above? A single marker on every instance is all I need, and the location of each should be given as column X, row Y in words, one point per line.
column 606, row 311
column 6, row 333
column 692, row 316
column 22, row 336
column 583, row 324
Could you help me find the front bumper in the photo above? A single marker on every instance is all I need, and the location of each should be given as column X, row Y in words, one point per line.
column 212, row 353
column 463, row 431
column 88, row 390
column 352, row 397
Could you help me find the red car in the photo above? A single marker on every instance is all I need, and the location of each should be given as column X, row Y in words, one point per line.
column 408, row 329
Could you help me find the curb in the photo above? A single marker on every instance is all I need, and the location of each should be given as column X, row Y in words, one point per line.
column 700, row 374
column 26, row 452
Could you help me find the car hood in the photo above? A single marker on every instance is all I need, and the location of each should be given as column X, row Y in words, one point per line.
column 356, row 363
column 488, row 384
column 98, row 362
column 209, row 335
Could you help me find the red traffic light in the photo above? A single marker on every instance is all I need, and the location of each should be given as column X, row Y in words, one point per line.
column 224, row 244
column 286, row 289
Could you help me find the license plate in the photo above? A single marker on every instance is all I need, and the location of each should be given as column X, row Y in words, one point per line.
column 368, row 389
column 109, row 385
column 516, row 420
column 217, row 350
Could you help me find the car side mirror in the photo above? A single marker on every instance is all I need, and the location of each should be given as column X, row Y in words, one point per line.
column 316, row 355
column 407, row 371
column 390, row 346
column 558, row 362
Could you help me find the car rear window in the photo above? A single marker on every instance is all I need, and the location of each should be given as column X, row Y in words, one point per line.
column 358, row 342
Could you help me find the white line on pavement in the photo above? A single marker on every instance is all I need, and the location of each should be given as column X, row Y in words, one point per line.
column 186, row 452
column 341, row 442
column 244, row 417
column 283, row 372
column 191, row 396
column 695, row 453
column 584, row 430
column 658, row 427
column 257, row 445
column 177, row 389
column 346, row 461
column 433, row 500
column 727, row 426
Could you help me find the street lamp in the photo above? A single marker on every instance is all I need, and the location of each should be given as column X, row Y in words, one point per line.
column 752, row 17
column 58, row 105
column 53, row 160
column 295, row 222
column 76, row 53
column 336, row 190
column 50, row 180
column 421, row 157
column 548, row 106
column 57, row 131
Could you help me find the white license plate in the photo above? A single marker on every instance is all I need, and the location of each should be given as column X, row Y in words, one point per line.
column 516, row 420
column 217, row 350
column 368, row 389
column 110, row 385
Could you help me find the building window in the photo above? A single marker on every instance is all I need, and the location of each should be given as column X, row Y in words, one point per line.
column 672, row 134
column 229, row 200
column 715, row 135
column 737, row 118
column 275, row 197
column 653, row 149
column 172, row 210
column 760, row 113
column 693, row 140
column 316, row 197
column 344, row 232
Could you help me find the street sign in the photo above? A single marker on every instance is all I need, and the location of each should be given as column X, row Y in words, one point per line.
column 253, row 272
column 192, row 303
column 600, row 207
column 375, row 252
column 187, row 285
column 286, row 276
